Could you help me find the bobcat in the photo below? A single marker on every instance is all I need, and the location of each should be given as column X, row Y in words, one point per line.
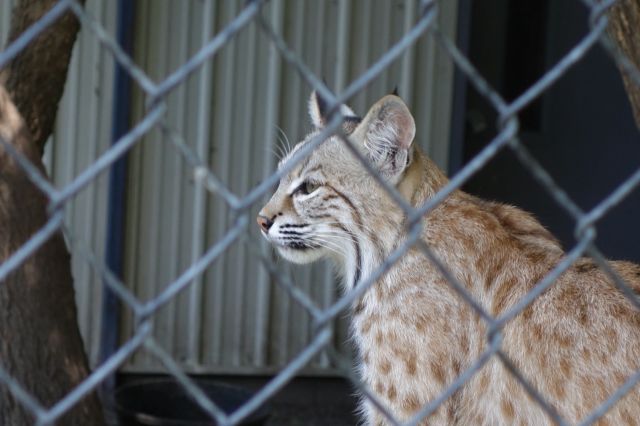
column 576, row 344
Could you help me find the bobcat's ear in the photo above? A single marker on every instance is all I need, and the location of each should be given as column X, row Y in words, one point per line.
column 318, row 109
column 387, row 132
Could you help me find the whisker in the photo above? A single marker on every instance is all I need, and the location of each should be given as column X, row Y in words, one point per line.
column 281, row 148
column 281, row 152
column 338, row 238
column 271, row 150
column 341, row 252
column 347, row 237
column 286, row 139
column 334, row 243
column 342, row 227
column 329, row 245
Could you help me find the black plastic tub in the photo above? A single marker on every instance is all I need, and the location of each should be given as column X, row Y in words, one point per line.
column 163, row 402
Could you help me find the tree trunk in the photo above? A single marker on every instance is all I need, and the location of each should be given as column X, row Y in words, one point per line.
column 624, row 28
column 35, row 79
column 40, row 344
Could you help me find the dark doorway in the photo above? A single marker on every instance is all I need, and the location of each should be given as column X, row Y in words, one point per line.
column 581, row 129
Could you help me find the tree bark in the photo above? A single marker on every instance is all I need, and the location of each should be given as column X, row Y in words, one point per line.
column 40, row 344
column 624, row 28
column 35, row 78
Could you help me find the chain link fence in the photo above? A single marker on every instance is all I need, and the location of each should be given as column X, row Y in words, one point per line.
column 157, row 92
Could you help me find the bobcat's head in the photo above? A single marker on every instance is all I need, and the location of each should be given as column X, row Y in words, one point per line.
column 328, row 204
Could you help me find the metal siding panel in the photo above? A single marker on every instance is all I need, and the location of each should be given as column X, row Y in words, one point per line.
column 133, row 223
column 229, row 321
column 245, row 114
column 164, row 172
column 177, row 188
column 198, row 231
column 222, row 78
column 424, row 84
column 342, row 44
column 251, row 157
column 443, row 94
column 6, row 7
column 86, row 153
column 408, row 59
column 79, row 138
column 141, row 271
column 105, row 91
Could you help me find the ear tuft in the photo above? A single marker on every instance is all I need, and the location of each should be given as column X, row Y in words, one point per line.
column 319, row 108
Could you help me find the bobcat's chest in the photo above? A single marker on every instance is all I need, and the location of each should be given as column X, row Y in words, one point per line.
column 406, row 349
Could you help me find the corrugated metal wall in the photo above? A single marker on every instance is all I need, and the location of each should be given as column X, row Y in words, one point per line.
column 233, row 112
column 82, row 132
column 5, row 18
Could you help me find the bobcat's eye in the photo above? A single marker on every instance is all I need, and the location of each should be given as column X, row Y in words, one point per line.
column 306, row 187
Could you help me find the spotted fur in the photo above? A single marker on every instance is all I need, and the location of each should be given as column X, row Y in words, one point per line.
column 576, row 344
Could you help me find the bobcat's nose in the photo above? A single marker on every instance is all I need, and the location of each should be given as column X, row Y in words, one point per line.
column 265, row 223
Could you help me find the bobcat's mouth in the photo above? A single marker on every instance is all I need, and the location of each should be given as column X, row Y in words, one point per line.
column 305, row 254
column 289, row 239
column 292, row 243
column 299, row 245
column 295, row 248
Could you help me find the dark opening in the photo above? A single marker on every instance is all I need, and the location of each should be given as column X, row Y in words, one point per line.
column 580, row 130
column 525, row 56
